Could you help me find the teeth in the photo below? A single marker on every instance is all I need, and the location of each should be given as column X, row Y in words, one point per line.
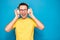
column 23, row 14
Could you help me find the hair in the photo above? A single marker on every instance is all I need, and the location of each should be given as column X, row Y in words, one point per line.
column 23, row 4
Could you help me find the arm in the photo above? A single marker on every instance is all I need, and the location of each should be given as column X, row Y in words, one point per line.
column 10, row 25
column 39, row 24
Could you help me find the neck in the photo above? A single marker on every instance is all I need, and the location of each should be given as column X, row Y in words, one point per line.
column 25, row 18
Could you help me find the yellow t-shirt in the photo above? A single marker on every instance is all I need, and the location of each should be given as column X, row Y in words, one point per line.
column 24, row 29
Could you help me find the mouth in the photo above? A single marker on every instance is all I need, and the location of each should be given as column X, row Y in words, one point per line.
column 23, row 14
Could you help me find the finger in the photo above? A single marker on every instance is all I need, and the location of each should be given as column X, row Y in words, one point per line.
column 18, row 11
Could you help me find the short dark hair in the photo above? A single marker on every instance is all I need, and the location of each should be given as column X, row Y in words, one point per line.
column 23, row 4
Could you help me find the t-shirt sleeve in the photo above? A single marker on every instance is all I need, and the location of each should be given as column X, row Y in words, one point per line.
column 34, row 23
column 15, row 24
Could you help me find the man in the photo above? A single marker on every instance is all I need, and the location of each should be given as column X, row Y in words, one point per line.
column 24, row 27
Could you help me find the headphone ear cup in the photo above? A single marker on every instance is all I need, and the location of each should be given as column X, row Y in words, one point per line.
column 18, row 11
column 28, row 11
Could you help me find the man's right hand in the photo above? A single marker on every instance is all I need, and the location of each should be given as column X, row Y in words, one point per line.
column 17, row 14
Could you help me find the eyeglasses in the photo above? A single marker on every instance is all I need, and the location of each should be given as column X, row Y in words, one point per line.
column 23, row 9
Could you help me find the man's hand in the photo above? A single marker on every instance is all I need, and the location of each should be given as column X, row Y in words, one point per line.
column 17, row 13
column 30, row 12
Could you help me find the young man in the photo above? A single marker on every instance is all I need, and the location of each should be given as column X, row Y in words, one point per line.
column 24, row 27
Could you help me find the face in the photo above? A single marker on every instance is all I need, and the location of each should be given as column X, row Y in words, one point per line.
column 23, row 11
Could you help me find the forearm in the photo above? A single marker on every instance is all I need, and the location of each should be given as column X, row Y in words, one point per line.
column 10, row 25
column 39, row 24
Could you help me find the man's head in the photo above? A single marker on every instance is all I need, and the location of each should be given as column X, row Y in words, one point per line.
column 23, row 9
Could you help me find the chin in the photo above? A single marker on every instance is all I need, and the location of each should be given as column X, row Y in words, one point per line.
column 24, row 17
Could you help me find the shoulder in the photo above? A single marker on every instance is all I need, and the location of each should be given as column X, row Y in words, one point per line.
column 30, row 19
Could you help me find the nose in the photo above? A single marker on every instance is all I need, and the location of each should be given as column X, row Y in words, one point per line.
column 23, row 12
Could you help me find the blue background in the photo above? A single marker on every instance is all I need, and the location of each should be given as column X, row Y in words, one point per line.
column 47, row 11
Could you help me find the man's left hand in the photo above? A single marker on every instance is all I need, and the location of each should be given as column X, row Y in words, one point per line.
column 30, row 12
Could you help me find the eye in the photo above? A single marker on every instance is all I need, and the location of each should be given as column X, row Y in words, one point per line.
column 23, row 9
